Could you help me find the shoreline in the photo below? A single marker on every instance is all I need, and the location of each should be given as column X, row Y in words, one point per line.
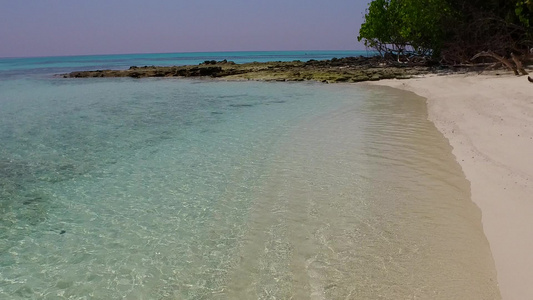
column 488, row 120
column 348, row 70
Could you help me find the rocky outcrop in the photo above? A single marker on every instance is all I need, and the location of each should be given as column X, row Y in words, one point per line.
column 349, row 69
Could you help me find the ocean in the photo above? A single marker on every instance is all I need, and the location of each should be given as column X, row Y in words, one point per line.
column 168, row 188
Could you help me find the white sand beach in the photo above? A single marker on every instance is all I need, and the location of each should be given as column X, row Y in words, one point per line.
column 488, row 119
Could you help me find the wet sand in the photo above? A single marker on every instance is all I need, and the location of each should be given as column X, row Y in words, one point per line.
column 488, row 120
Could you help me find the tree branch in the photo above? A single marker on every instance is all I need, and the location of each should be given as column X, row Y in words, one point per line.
column 502, row 59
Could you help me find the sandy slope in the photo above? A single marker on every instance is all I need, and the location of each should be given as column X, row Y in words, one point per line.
column 488, row 120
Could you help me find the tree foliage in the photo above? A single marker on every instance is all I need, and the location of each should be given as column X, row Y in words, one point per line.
column 400, row 26
column 524, row 12
column 451, row 30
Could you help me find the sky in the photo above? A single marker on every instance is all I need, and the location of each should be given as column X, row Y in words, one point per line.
column 87, row 27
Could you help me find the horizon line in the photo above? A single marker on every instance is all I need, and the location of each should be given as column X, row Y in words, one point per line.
column 183, row 52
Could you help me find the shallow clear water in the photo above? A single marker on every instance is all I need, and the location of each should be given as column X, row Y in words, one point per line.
column 181, row 189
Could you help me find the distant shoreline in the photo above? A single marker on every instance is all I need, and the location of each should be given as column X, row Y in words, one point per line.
column 349, row 69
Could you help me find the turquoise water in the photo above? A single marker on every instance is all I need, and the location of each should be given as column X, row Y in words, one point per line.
column 199, row 189
column 54, row 65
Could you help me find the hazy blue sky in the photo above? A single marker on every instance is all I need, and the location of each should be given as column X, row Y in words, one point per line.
column 70, row 27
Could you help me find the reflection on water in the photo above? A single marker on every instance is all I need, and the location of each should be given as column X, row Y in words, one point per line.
column 175, row 189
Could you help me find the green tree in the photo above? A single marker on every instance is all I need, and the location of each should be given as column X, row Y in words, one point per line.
column 400, row 26
column 452, row 30
column 379, row 30
column 499, row 26
column 524, row 12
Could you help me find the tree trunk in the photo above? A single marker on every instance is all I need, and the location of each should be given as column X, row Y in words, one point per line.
column 518, row 64
column 502, row 59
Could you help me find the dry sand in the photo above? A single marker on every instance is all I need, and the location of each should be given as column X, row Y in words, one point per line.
column 488, row 120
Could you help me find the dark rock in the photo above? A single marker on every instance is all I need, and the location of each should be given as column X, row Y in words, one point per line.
column 348, row 69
